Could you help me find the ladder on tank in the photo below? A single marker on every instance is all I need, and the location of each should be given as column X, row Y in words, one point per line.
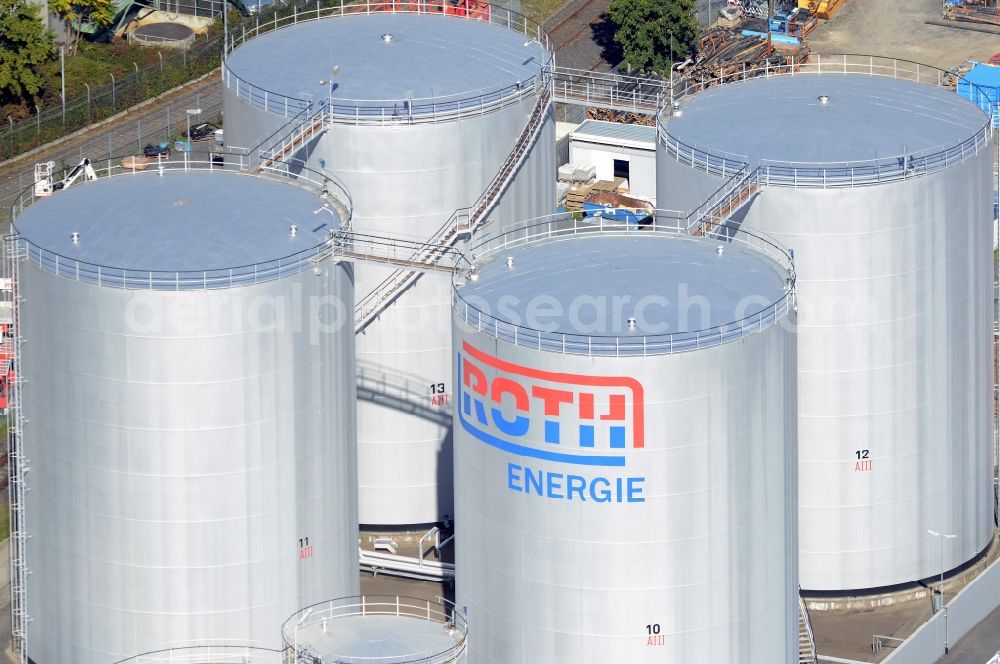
column 463, row 223
column 14, row 251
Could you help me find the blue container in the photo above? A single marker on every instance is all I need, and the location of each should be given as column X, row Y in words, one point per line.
column 981, row 86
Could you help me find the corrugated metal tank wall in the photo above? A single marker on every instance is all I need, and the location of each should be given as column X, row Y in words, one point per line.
column 178, row 454
column 708, row 561
column 681, row 187
column 406, row 181
column 894, row 337
column 895, row 323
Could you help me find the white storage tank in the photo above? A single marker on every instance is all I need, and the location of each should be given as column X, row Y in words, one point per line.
column 879, row 179
column 625, row 447
column 187, row 414
column 376, row 629
column 418, row 104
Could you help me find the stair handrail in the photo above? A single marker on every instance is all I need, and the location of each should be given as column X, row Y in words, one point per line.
column 375, row 301
column 611, row 90
column 804, row 614
column 302, row 121
column 730, row 191
column 349, row 244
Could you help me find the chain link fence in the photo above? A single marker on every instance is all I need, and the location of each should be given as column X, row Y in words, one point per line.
column 173, row 68
column 103, row 101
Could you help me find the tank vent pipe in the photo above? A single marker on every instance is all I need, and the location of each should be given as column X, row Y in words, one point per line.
column 75, row 237
column 824, row 99
column 387, row 37
column 720, row 250
column 631, row 323
column 510, row 261
column 293, row 230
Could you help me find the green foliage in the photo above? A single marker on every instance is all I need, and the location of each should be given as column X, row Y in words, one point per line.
column 25, row 43
column 75, row 13
column 644, row 29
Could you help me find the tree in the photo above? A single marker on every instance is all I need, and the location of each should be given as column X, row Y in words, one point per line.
column 25, row 43
column 653, row 34
column 75, row 13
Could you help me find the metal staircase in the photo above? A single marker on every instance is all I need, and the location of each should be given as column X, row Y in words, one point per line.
column 807, row 641
column 306, row 127
column 16, row 462
column 462, row 223
column 730, row 197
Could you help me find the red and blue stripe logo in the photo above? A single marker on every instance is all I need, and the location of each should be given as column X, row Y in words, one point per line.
column 579, row 419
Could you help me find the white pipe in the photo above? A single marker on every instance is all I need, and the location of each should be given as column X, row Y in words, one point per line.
column 394, row 565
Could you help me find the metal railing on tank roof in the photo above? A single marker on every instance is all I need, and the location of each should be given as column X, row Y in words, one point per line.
column 326, row 187
column 826, row 174
column 216, row 654
column 309, row 624
column 565, row 226
column 403, row 110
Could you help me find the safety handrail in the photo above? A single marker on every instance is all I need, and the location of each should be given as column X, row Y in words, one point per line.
column 823, row 174
column 804, row 619
column 280, row 134
column 321, row 614
column 144, row 279
column 565, row 226
column 719, row 205
column 394, row 250
column 389, row 111
column 610, row 90
column 464, row 220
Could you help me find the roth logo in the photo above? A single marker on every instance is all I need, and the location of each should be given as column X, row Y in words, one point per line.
column 563, row 417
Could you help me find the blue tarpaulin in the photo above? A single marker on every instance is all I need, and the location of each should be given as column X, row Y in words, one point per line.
column 623, row 215
column 981, row 86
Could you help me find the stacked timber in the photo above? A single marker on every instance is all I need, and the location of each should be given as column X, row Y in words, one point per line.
column 727, row 55
column 974, row 11
column 625, row 117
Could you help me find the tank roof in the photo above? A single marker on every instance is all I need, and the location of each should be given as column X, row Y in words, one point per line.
column 781, row 118
column 429, row 56
column 178, row 221
column 670, row 285
column 381, row 638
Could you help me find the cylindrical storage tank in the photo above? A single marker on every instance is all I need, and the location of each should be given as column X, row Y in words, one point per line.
column 376, row 629
column 188, row 412
column 880, row 183
column 625, row 448
column 420, row 111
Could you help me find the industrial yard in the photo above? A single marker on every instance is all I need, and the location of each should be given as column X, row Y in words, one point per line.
column 465, row 344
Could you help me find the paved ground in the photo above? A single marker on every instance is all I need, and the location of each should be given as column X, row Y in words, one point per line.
column 896, row 28
column 124, row 136
column 849, row 634
column 388, row 585
column 583, row 36
column 978, row 645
